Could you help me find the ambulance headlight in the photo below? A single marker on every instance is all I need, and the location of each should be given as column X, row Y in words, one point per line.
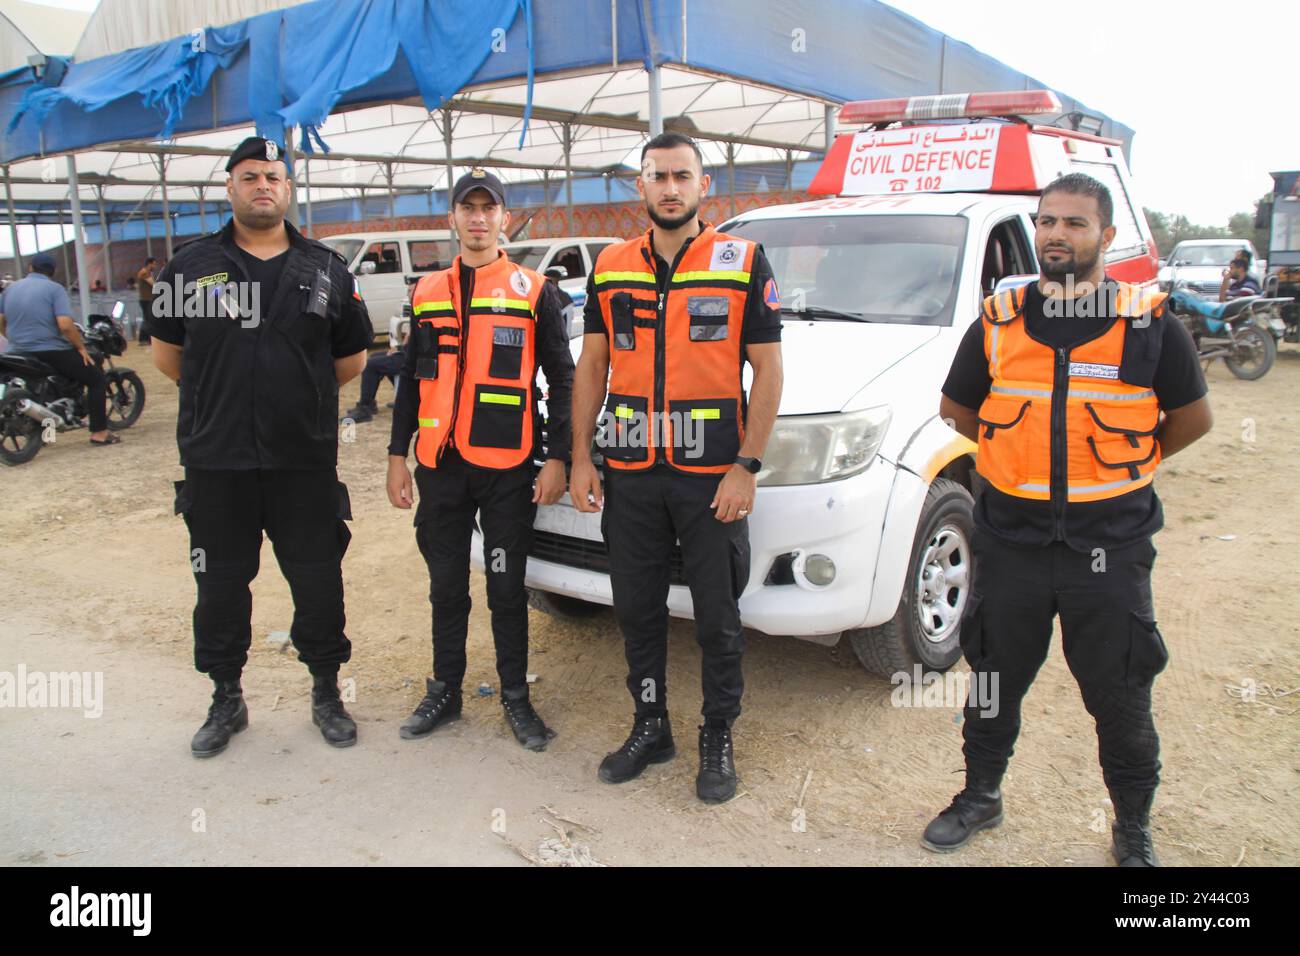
column 807, row 449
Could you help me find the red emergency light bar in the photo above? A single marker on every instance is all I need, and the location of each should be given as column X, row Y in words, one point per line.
column 950, row 106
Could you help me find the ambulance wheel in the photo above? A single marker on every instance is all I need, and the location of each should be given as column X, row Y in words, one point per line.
column 926, row 627
column 561, row 605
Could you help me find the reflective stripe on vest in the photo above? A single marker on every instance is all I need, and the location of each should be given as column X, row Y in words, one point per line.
column 476, row 392
column 687, row 411
column 1110, row 425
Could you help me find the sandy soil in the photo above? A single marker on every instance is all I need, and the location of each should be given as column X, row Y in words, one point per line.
column 95, row 576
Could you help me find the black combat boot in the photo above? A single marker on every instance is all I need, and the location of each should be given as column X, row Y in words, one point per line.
column 651, row 741
column 976, row 808
column 336, row 724
column 1131, row 832
column 227, row 715
column 527, row 727
column 441, row 704
column 361, row 412
column 716, row 781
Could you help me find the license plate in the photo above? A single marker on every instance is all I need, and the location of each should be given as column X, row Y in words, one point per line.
column 563, row 518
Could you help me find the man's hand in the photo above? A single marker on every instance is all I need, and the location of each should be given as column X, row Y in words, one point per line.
column 583, row 482
column 399, row 482
column 85, row 356
column 550, row 483
column 735, row 496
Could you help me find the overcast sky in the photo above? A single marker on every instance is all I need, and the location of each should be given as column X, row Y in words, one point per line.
column 1210, row 88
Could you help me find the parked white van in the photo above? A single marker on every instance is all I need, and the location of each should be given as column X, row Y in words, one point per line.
column 386, row 263
column 862, row 523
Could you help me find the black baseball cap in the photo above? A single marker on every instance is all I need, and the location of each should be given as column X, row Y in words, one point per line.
column 478, row 178
column 256, row 147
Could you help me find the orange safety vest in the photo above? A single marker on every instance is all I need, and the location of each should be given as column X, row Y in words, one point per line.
column 476, row 393
column 1098, row 394
column 675, row 392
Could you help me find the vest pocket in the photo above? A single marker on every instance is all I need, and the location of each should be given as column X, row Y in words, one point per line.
column 507, row 352
column 704, row 432
column 620, row 309
column 1119, row 441
column 708, row 315
column 1002, row 440
column 624, row 428
column 498, row 417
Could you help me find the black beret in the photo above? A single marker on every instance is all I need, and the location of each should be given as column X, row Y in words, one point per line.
column 255, row 147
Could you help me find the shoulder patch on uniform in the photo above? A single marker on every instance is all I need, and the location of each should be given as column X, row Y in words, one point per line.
column 771, row 295
column 728, row 254
column 520, row 282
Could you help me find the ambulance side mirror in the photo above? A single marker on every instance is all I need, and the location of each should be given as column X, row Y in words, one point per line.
column 366, row 268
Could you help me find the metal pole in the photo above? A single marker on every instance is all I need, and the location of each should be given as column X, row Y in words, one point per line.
column 392, row 208
column 306, row 193
column 568, row 178
column 446, row 142
column 13, row 227
column 789, row 170
column 167, row 209
column 546, row 199
column 203, row 222
column 63, row 246
column 731, row 175
column 83, row 291
column 656, row 104
column 286, row 156
column 108, row 240
column 830, row 127
column 148, row 239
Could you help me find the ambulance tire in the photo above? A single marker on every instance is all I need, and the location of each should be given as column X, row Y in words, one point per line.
column 900, row 643
column 561, row 605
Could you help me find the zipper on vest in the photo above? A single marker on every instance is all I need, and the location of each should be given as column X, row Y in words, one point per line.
column 1059, row 465
column 460, row 358
column 661, row 339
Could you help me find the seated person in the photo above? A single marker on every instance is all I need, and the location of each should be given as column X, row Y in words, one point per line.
column 1237, row 281
column 381, row 365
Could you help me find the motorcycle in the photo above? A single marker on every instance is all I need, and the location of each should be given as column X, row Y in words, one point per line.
column 1243, row 332
column 36, row 402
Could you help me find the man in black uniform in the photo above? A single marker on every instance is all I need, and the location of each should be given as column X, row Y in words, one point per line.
column 260, row 326
column 1075, row 387
column 495, row 324
column 671, row 318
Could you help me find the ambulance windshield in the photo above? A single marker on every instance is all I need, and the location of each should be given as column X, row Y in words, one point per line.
column 896, row 269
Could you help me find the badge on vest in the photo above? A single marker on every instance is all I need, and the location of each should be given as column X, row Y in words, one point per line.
column 728, row 254
column 1093, row 370
column 520, row 282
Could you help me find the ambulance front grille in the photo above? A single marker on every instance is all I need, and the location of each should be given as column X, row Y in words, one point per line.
column 590, row 555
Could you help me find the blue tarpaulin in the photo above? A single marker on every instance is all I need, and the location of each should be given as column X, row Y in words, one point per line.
column 292, row 66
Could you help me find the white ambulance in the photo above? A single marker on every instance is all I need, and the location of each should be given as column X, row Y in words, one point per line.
column 862, row 523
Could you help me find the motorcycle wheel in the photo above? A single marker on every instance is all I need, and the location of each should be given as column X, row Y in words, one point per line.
column 1253, row 355
column 20, row 437
column 125, row 399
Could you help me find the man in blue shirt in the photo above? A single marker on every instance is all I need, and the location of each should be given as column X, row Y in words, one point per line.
column 37, row 318
column 1237, row 281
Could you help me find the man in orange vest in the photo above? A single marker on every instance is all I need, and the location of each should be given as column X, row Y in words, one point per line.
column 479, row 331
column 671, row 317
column 1076, row 387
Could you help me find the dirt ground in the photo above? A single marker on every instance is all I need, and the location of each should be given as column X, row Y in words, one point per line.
column 95, row 577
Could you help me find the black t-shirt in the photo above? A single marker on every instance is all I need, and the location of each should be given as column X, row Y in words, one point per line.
column 761, row 323
column 266, row 273
column 1110, row 523
column 263, row 393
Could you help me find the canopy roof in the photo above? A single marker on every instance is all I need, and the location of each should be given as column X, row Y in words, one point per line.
column 757, row 89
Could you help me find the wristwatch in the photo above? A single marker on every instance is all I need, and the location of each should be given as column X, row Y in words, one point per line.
column 751, row 465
